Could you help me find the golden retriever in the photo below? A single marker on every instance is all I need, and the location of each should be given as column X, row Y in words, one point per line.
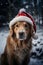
column 19, row 44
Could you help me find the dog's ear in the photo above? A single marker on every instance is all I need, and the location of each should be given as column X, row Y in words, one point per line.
column 11, row 31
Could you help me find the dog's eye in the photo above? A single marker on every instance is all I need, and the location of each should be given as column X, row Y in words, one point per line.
column 26, row 26
column 17, row 25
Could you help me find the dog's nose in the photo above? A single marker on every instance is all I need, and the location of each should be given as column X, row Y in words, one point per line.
column 21, row 33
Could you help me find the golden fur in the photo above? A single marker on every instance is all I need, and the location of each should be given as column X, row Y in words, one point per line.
column 18, row 52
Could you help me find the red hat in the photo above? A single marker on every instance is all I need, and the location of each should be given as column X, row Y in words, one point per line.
column 23, row 16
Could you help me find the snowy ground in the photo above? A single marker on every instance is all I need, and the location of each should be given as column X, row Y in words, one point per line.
column 37, row 49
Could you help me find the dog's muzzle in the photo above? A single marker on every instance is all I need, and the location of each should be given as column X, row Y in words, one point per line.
column 22, row 36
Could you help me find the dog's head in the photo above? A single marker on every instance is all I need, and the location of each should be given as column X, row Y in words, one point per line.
column 21, row 30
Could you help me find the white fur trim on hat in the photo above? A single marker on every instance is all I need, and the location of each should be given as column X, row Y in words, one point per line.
column 20, row 18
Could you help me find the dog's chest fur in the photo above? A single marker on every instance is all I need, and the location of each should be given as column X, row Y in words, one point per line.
column 20, row 51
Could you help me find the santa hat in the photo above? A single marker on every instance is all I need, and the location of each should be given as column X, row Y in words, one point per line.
column 23, row 16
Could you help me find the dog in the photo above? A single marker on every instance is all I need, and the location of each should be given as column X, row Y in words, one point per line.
column 19, row 44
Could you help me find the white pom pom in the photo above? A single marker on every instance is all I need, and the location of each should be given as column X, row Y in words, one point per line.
column 22, row 10
column 35, row 36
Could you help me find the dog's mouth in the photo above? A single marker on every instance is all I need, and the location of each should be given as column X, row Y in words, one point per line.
column 21, row 36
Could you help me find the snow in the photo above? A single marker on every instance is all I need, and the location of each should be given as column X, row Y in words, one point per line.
column 35, row 62
column 26, row 6
column 3, row 37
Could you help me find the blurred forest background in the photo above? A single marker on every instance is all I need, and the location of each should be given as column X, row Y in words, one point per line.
column 9, row 8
